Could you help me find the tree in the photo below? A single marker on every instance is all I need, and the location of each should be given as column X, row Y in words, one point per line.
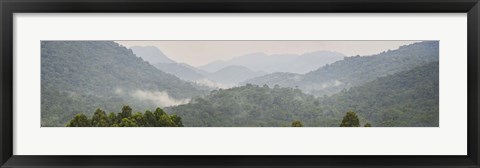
column 367, row 125
column 350, row 120
column 126, row 112
column 138, row 119
column 165, row 121
column 149, row 118
column 159, row 112
column 127, row 123
column 100, row 119
column 80, row 120
column 297, row 123
column 177, row 120
column 112, row 117
column 126, row 119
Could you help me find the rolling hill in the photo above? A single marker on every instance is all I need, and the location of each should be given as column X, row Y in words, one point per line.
column 80, row 76
column 407, row 98
column 234, row 74
column 354, row 71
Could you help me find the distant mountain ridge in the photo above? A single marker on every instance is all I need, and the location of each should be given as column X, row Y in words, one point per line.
column 407, row 98
column 354, row 71
column 292, row 63
column 228, row 76
column 181, row 70
column 80, row 76
column 151, row 54
column 234, row 74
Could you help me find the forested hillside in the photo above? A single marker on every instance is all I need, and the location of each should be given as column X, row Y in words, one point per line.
column 405, row 99
column 233, row 75
column 83, row 81
column 355, row 71
column 408, row 98
column 126, row 118
column 249, row 105
column 81, row 76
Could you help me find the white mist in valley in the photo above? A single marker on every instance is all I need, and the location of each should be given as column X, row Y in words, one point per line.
column 212, row 84
column 240, row 83
column 161, row 98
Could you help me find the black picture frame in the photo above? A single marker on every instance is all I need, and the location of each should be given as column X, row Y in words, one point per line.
column 9, row 7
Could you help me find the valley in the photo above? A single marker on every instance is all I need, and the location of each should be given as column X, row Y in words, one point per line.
column 393, row 88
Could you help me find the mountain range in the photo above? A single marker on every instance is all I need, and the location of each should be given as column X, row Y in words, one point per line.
column 80, row 76
column 394, row 88
column 404, row 99
column 292, row 63
column 354, row 71
column 224, row 77
column 230, row 73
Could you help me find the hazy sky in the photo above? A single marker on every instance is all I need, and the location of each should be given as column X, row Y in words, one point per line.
column 198, row 53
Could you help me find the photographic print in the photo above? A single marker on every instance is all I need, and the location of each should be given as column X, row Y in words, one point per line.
column 239, row 83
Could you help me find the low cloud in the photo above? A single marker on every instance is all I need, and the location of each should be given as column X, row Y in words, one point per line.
column 212, row 84
column 329, row 84
column 160, row 98
column 324, row 85
column 118, row 90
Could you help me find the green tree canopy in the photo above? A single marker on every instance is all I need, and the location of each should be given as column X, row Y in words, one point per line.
column 80, row 120
column 350, row 120
column 126, row 112
column 126, row 119
column 297, row 123
column 100, row 119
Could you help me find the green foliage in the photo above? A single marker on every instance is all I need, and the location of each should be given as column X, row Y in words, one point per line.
column 149, row 119
column 112, row 118
column 405, row 99
column 355, row 70
column 126, row 119
column 251, row 106
column 396, row 88
column 80, row 120
column 127, row 122
column 297, row 124
column 126, row 112
column 81, row 76
column 100, row 119
column 367, row 125
column 176, row 120
column 159, row 112
column 350, row 120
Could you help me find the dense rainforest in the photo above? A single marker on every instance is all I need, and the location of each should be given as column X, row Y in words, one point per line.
column 126, row 118
column 407, row 98
column 81, row 76
column 85, row 82
column 355, row 70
